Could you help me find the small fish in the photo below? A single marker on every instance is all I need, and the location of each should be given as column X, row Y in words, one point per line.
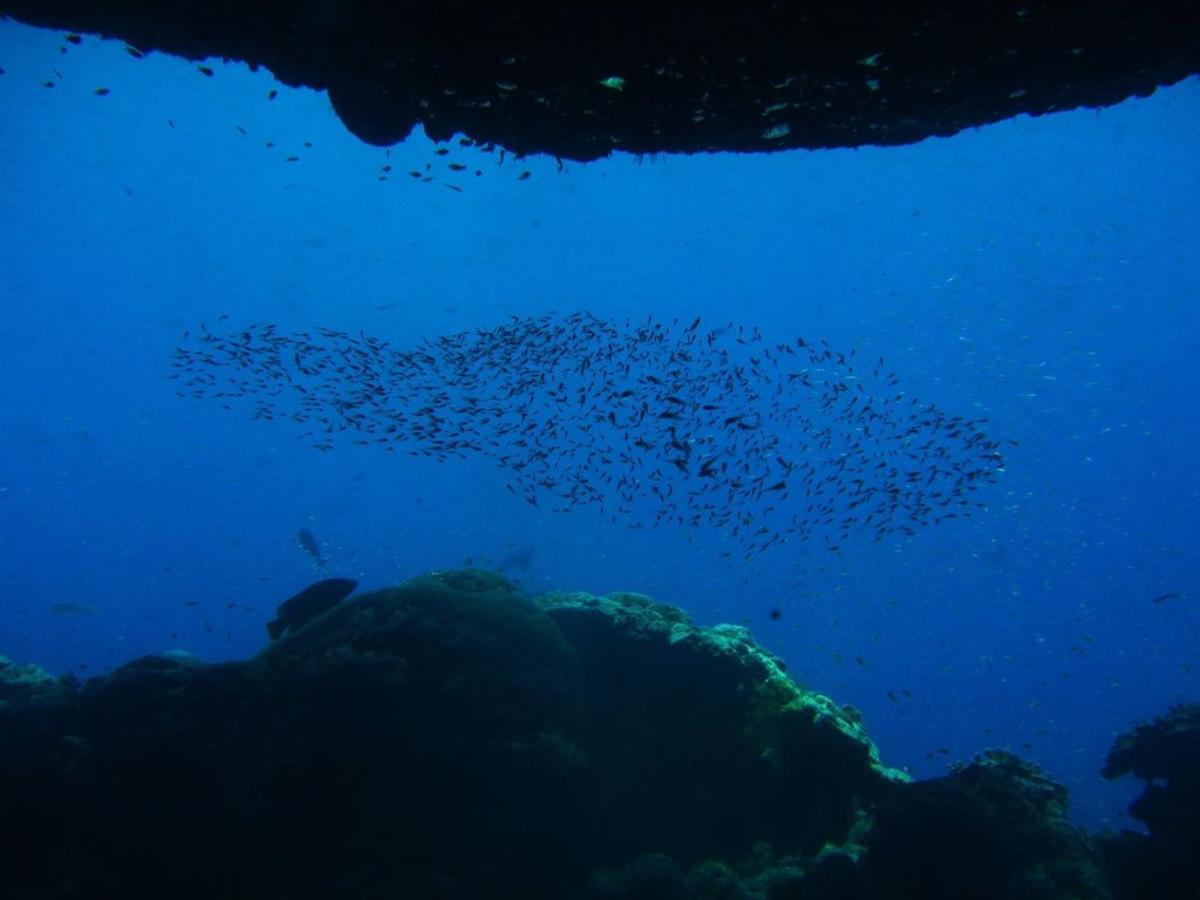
column 71, row 609
column 134, row 52
column 102, row 92
column 272, row 94
column 74, row 39
column 205, row 70
column 298, row 610
column 308, row 542
column 1163, row 598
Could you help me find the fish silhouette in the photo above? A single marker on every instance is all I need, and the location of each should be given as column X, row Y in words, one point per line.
column 308, row 542
column 771, row 442
column 297, row 611
column 70, row 608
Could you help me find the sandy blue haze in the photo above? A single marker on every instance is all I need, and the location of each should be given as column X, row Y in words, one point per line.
column 1044, row 273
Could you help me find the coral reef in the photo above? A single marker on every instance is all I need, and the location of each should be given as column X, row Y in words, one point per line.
column 446, row 738
column 451, row 738
column 994, row 829
column 1165, row 863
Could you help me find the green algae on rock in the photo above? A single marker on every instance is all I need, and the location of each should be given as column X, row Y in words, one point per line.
column 671, row 706
column 451, row 738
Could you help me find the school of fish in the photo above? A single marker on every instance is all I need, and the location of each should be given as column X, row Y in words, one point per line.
column 654, row 423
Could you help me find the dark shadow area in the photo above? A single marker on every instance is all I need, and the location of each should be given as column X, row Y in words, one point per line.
column 451, row 738
column 581, row 80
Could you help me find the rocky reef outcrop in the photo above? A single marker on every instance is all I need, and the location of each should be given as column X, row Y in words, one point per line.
column 1164, row 862
column 581, row 80
column 444, row 738
column 451, row 738
column 993, row 829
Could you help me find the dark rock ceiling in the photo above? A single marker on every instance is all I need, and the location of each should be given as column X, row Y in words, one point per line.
column 580, row 80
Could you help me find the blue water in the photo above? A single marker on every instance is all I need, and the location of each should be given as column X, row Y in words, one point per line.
column 1044, row 273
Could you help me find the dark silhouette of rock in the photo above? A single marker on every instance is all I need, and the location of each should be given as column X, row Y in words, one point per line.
column 449, row 738
column 1165, row 753
column 580, row 80
column 995, row 829
column 445, row 738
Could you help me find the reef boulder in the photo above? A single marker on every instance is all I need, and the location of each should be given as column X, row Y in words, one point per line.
column 993, row 829
column 444, row 738
column 1165, row 863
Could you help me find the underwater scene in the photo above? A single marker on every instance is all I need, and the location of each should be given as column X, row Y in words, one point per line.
column 439, row 520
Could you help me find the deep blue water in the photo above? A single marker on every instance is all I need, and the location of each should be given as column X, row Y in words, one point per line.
column 1044, row 273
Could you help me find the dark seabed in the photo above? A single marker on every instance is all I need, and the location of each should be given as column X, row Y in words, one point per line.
column 805, row 524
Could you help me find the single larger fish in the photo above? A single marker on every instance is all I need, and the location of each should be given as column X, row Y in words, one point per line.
column 295, row 612
column 308, row 541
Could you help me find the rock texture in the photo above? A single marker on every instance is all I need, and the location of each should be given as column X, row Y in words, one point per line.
column 450, row 738
column 580, row 80
column 1165, row 753
column 444, row 738
column 994, row 829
